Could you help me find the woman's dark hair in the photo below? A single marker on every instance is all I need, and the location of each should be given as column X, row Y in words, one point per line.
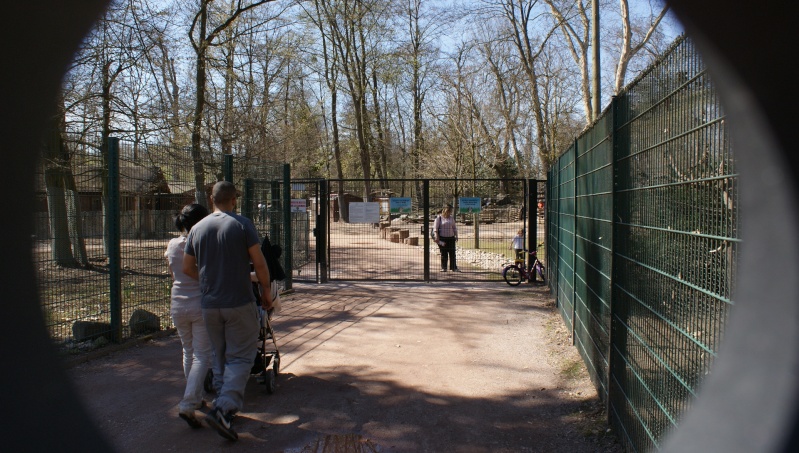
column 189, row 216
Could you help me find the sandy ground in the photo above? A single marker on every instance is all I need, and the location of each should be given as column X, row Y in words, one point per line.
column 386, row 367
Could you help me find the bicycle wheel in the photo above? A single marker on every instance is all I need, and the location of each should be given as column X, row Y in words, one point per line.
column 512, row 275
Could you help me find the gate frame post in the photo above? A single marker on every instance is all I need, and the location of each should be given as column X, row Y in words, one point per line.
column 248, row 195
column 322, row 229
column 426, row 228
column 227, row 167
column 289, row 249
column 532, row 214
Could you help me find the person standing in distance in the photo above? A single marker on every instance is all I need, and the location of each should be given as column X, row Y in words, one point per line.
column 446, row 235
column 219, row 250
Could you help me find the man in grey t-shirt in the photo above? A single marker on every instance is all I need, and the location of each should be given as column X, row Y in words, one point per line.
column 219, row 250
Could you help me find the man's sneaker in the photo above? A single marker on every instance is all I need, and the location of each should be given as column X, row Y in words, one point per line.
column 190, row 418
column 457, row 269
column 443, row 269
column 221, row 423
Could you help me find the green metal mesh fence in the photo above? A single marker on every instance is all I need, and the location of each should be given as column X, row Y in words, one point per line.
column 99, row 252
column 68, row 234
column 393, row 247
column 643, row 230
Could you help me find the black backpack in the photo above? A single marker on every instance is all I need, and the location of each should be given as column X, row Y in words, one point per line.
column 272, row 252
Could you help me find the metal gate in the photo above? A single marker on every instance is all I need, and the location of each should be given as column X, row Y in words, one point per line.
column 380, row 230
column 307, row 201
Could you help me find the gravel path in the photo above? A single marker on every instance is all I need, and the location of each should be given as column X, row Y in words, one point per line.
column 391, row 367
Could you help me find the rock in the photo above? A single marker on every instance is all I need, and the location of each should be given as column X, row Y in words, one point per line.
column 142, row 321
column 91, row 330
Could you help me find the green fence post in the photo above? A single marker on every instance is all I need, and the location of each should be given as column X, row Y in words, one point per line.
column 532, row 218
column 227, row 167
column 114, row 240
column 555, row 206
column 289, row 249
column 574, row 239
column 613, row 219
column 247, row 204
column 426, row 227
column 321, row 229
column 276, row 221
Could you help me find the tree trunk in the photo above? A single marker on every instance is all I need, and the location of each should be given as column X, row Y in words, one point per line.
column 60, row 248
column 380, row 148
column 63, row 206
column 199, row 108
column 105, row 134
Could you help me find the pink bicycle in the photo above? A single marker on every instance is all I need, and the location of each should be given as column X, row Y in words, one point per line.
column 514, row 273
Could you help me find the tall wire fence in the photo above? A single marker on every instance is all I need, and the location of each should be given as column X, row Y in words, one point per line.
column 643, row 231
column 104, row 216
column 395, row 244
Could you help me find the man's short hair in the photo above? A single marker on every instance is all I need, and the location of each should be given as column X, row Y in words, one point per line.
column 224, row 191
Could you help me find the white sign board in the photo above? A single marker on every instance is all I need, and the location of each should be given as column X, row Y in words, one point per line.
column 364, row 212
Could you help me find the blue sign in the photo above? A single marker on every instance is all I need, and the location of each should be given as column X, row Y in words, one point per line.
column 400, row 205
column 469, row 205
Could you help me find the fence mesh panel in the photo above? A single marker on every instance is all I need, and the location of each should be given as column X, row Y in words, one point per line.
column 71, row 247
column 68, row 234
column 643, row 230
column 392, row 245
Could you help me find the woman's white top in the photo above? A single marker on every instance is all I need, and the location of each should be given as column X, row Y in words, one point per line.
column 185, row 290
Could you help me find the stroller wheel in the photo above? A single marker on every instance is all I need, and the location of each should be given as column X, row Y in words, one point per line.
column 270, row 380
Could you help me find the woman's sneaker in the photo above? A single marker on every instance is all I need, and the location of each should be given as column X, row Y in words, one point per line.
column 221, row 423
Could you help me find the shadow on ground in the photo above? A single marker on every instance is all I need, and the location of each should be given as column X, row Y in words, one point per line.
column 375, row 368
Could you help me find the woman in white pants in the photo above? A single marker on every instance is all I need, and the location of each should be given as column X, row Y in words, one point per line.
column 188, row 316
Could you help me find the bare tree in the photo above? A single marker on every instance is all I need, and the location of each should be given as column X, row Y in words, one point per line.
column 330, row 68
column 202, row 40
column 629, row 47
column 572, row 18
column 519, row 16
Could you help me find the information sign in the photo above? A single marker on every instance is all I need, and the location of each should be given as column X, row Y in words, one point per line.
column 364, row 212
column 469, row 205
column 400, row 205
column 298, row 205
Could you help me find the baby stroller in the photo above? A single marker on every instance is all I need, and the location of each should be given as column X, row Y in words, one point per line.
column 267, row 358
column 267, row 361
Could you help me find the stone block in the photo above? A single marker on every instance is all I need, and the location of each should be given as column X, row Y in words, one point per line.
column 142, row 321
column 91, row 330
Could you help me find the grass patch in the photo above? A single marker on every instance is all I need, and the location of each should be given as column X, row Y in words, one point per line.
column 572, row 370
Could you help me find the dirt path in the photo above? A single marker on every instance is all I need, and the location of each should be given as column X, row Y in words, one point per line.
column 378, row 367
